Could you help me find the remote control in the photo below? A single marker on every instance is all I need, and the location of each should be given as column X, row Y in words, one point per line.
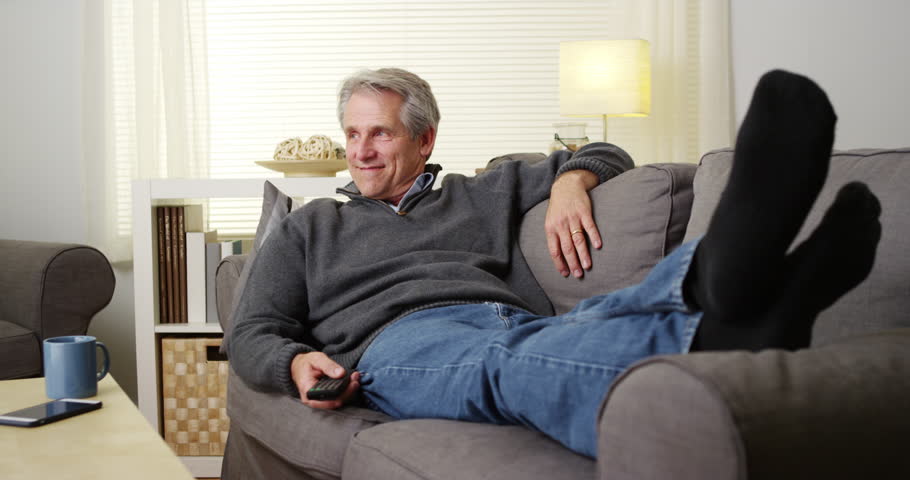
column 328, row 388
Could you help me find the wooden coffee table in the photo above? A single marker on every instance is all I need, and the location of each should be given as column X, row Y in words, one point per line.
column 114, row 442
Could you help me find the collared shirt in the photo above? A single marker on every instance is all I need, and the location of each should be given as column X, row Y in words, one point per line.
column 422, row 183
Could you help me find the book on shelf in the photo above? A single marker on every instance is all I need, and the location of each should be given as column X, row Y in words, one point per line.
column 227, row 248
column 235, row 247
column 181, row 265
column 174, row 270
column 168, row 277
column 173, row 223
column 197, row 274
column 162, row 218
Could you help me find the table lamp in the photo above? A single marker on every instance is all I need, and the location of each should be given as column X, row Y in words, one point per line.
column 605, row 78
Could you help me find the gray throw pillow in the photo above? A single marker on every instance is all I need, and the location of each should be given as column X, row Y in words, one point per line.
column 275, row 206
column 641, row 215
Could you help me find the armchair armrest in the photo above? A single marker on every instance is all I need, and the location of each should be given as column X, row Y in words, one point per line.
column 838, row 411
column 53, row 289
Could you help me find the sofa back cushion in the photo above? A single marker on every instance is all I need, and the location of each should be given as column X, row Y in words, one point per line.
column 641, row 215
column 882, row 300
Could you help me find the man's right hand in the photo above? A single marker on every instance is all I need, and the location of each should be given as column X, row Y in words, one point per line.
column 308, row 368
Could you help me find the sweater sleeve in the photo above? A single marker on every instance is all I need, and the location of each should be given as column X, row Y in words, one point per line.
column 270, row 320
column 604, row 159
column 530, row 184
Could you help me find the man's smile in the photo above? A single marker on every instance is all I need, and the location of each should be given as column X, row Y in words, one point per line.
column 371, row 168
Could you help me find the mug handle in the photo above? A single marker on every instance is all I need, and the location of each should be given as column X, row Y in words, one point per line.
column 107, row 360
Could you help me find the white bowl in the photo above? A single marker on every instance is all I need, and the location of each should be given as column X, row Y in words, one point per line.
column 305, row 168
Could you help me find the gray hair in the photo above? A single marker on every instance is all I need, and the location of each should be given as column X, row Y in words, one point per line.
column 419, row 111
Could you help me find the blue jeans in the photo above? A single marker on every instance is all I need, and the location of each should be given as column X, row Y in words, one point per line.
column 497, row 364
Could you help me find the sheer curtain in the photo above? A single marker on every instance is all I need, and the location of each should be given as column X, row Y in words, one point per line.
column 203, row 88
column 691, row 80
column 146, row 106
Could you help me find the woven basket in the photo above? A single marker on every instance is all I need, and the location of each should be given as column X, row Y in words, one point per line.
column 194, row 392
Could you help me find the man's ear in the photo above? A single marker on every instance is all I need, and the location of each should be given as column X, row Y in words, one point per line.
column 427, row 142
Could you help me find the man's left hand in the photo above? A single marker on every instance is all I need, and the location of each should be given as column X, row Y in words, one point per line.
column 569, row 220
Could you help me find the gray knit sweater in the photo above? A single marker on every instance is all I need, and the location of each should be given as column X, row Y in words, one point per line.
column 334, row 274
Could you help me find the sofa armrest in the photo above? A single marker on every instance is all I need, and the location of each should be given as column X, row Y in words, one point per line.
column 838, row 411
column 53, row 289
column 226, row 278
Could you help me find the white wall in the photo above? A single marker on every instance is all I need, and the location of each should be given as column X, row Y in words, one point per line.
column 40, row 118
column 857, row 52
column 41, row 180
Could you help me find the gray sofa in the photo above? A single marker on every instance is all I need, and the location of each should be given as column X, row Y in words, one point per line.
column 840, row 409
column 48, row 290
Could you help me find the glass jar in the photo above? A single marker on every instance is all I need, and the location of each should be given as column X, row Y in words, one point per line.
column 569, row 136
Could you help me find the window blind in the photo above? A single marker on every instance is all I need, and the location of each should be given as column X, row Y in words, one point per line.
column 273, row 69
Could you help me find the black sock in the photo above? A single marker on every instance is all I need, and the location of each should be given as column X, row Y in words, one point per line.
column 780, row 164
column 832, row 261
column 836, row 258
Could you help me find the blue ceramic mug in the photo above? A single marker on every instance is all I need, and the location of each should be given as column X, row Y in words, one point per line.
column 70, row 366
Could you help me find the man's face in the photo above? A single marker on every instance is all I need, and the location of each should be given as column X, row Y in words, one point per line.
column 383, row 159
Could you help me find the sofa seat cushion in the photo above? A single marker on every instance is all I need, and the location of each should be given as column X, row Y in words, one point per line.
column 312, row 440
column 641, row 215
column 881, row 301
column 20, row 351
column 450, row 450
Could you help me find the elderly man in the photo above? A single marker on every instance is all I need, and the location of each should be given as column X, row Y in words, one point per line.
column 425, row 294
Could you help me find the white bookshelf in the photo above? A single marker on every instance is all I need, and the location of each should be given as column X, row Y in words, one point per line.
column 146, row 195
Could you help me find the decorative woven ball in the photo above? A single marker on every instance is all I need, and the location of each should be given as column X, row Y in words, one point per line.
column 315, row 148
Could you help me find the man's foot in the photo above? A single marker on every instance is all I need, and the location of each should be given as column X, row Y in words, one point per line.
column 780, row 164
column 837, row 257
column 834, row 260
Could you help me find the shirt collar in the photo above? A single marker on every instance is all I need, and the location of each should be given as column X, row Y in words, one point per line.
column 424, row 181
column 350, row 190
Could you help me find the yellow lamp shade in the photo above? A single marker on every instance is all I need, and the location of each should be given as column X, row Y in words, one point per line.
column 605, row 77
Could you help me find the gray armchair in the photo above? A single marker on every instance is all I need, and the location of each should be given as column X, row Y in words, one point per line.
column 46, row 290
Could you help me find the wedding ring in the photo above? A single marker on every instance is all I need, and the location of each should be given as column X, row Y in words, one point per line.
column 576, row 231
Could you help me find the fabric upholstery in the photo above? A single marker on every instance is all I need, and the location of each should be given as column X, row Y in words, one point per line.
column 49, row 289
column 20, row 351
column 449, row 450
column 641, row 216
column 247, row 458
column 661, row 419
column 882, row 300
column 227, row 276
column 837, row 412
column 314, row 441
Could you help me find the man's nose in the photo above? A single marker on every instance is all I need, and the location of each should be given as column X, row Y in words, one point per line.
column 364, row 150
